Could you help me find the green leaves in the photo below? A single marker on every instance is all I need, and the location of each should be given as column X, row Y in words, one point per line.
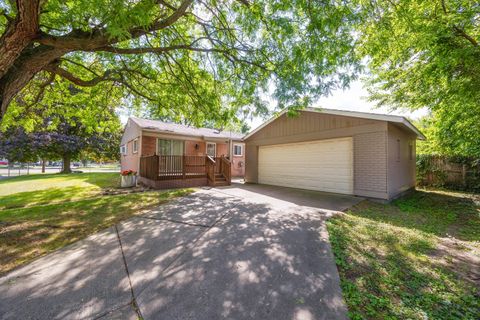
column 212, row 62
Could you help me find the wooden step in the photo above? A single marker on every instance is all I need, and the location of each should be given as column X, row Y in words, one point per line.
column 221, row 183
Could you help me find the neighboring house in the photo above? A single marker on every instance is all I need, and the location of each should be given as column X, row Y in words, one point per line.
column 182, row 152
column 346, row 152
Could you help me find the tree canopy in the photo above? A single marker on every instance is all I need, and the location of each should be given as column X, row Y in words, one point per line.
column 200, row 59
column 426, row 54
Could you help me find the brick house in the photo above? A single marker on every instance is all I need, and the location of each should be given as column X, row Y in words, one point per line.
column 181, row 153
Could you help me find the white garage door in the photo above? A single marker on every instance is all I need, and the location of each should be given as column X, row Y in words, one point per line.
column 323, row 165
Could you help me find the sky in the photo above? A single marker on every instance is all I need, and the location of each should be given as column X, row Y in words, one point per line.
column 353, row 99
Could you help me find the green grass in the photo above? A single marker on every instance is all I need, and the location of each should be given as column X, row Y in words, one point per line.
column 56, row 210
column 412, row 259
column 39, row 189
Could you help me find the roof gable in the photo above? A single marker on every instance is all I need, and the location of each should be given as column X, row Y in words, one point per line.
column 353, row 114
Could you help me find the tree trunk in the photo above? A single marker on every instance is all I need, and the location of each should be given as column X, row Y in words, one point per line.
column 66, row 164
column 30, row 62
column 43, row 165
column 19, row 33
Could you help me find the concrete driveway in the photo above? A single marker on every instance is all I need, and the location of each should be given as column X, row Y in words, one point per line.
column 238, row 252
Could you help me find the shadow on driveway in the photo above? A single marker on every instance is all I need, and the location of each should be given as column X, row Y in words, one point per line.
column 215, row 254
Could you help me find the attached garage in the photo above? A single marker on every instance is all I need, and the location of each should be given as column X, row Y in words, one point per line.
column 345, row 152
column 322, row 165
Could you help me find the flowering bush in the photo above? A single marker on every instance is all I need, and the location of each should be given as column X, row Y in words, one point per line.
column 128, row 173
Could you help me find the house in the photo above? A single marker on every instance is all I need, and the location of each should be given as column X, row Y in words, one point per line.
column 354, row 153
column 170, row 155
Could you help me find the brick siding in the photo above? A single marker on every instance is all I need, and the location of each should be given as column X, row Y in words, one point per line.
column 370, row 158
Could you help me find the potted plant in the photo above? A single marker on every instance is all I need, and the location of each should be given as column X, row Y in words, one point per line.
column 129, row 178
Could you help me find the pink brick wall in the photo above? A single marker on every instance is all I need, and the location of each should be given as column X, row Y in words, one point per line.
column 238, row 163
column 190, row 149
column 149, row 146
column 222, row 149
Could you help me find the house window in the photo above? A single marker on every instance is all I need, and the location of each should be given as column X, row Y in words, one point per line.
column 123, row 149
column 211, row 149
column 169, row 147
column 410, row 150
column 135, row 146
column 398, row 149
column 237, row 150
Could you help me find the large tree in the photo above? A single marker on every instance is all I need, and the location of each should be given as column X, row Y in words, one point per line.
column 427, row 54
column 200, row 57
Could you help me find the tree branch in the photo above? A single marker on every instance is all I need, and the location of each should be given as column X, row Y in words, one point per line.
column 80, row 82
column 155, row 50
column 41, row 89
column 463, row 34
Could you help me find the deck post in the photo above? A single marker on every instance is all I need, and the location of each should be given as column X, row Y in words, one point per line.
column 183, row 167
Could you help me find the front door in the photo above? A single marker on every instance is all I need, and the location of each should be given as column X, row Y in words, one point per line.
column 211, row 149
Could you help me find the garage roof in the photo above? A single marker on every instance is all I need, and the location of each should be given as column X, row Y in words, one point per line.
column 355, row 114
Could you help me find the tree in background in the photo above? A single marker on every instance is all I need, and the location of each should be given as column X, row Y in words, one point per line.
column 68, row 122
column 16, row 145
column 426, row 54
column 449, row 134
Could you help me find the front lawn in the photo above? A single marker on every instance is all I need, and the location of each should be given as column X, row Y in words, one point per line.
column 417, row 258
column 41, row 213
column 37, row 189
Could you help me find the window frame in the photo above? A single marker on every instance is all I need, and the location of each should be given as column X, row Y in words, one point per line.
column 214, row 146
column 123, row 149
column 157, row 151
column 241, row 150
column 135, row 145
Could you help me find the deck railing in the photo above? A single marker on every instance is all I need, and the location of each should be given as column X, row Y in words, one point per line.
column 226, row 169
column 210, row 169
column 182, row 167
column 149, row 167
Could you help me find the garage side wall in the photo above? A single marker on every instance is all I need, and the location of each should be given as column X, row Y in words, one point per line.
column 369, row 138
column 370, row 164
column 401, row 161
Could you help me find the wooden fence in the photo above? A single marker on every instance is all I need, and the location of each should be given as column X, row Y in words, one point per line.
column 453, row 172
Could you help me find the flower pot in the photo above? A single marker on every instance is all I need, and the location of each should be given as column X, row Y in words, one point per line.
column 128, row 181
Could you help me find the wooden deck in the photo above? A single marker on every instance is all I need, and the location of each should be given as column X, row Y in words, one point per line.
column 191, row 169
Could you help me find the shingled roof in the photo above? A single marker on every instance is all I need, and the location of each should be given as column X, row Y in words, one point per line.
column 175, row 128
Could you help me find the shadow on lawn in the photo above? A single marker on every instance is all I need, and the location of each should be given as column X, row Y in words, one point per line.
column 388, row 273
column 223, row 258
column 27, row 233
column 431, row 212
column 42, row 197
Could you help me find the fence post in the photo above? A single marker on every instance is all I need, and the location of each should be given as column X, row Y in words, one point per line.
column 464, row 175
